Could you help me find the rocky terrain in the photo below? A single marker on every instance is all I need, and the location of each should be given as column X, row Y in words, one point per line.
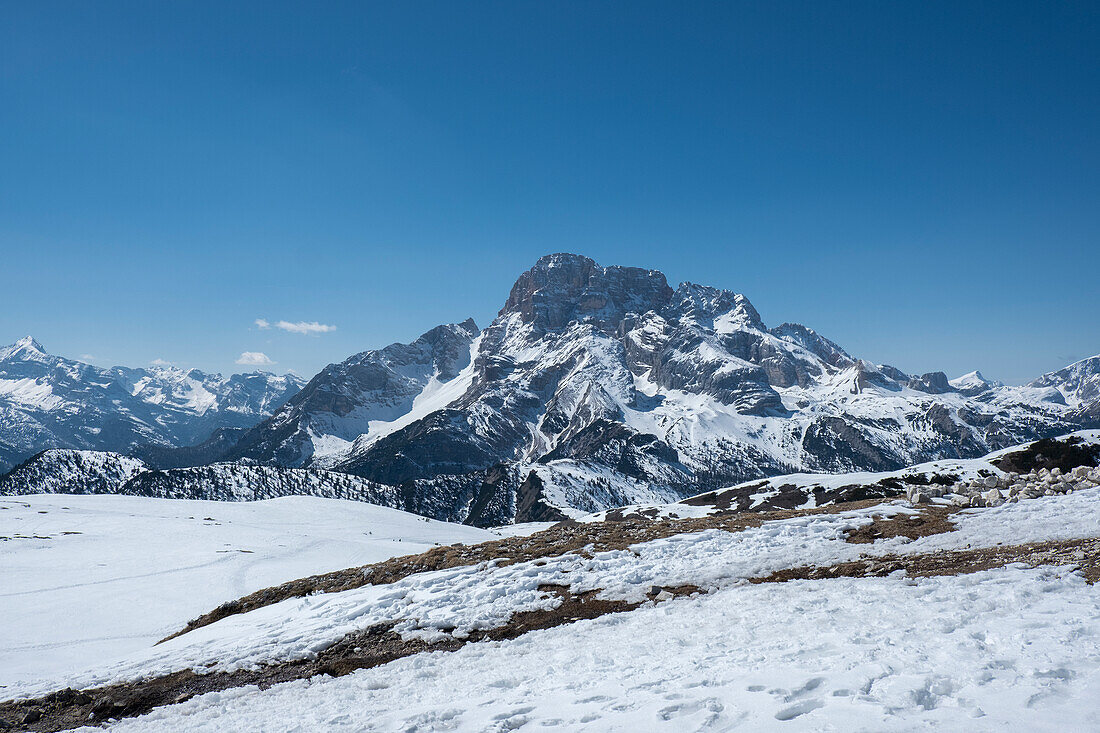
column 48, row 401
column 1040, row 468
column 996, row 490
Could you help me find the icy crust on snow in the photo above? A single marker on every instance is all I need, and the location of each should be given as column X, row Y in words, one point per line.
column 1008, row 649
column 460, row 600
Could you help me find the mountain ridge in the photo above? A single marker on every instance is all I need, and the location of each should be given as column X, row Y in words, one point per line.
column 607, row 376
column 602, row 386
column 49, row 401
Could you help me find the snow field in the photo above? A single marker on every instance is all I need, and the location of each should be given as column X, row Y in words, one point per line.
column 87, row 578
column 460, row 600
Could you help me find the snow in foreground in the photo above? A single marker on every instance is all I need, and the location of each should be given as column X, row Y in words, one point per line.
column 1008, row 649
column 459, row 600
column 89, row 578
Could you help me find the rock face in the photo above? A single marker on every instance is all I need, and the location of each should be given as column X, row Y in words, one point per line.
column 47, row 401
column 607, row 385
column 362, row 396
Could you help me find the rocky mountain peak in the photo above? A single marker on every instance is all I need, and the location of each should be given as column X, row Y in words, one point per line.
column 466, row 330
column 813, row 342
column 564, row 287
column 721, row 310
column 1079, row 382
column 932, row 383
column 24, row 348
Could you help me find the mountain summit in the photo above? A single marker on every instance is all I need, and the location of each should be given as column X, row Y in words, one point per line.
column 602, row 386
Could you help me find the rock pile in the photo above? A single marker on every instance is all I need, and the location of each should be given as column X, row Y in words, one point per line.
column 994, row 490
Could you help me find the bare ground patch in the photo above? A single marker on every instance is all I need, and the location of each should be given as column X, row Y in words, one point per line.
column 930, row 520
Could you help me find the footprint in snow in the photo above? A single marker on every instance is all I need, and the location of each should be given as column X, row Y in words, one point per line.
column 711, row 705
column 799, row 708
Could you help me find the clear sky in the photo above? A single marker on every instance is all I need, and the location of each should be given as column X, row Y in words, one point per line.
column 918, row 181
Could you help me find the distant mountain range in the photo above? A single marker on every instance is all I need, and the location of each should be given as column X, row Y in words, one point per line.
column 48, row 401
column 594, row 387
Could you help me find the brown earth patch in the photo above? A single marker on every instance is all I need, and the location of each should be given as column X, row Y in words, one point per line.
column 930, row 520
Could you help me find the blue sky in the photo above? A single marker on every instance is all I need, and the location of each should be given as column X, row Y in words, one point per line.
column 920, row 182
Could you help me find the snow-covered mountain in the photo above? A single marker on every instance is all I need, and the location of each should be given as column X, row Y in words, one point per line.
column 1079, row 383
column 595, row 387
column 598, row 386
column 368, row 394
column 48, row 401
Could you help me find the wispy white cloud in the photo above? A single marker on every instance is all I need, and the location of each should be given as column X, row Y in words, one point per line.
column 161, row 362
column 254, row 358
column 86, row 358
column 306, row 328
column 309, row 328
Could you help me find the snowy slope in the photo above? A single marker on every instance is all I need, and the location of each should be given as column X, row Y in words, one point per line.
column 975, row 652
column 457, row 601
column 1009, row 649
column 93, row 577
column 360, row 396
